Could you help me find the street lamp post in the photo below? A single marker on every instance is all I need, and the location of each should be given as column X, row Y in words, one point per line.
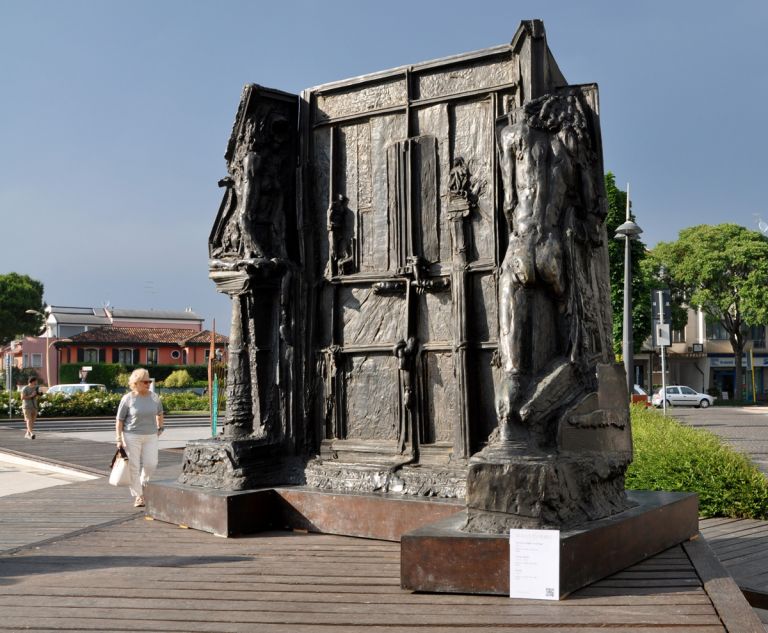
column 47, row 347
column 628, row 231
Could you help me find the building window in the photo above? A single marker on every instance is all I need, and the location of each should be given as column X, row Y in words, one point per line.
column 66, row 331
column 716, row 332
column 757, row 334
column 152, row 355
column 125, row 357
column 90, row 355
column 37, row 360
column 25, row 361
column 678, row 336
column 206, row 354
column 175, row 354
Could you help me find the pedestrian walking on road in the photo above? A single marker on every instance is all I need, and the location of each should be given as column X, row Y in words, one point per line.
column 139, row 423
column 29, row 396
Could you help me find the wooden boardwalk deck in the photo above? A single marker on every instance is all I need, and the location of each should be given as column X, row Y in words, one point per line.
column 150, row 576
column 78, row 557
column 51, row 513
column 742, row 547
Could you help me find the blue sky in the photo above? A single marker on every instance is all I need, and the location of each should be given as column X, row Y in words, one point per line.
column 114, row 116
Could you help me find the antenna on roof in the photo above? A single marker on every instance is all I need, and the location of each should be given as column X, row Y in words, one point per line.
column 762, row 224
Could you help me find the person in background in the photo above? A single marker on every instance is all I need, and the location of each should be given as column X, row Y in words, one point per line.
column 29, row 396
column 139, row 423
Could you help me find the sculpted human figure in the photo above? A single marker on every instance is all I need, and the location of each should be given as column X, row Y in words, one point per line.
column 542, row 196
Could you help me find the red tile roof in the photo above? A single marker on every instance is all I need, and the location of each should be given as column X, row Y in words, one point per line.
column 110, row 335
column 204, row 338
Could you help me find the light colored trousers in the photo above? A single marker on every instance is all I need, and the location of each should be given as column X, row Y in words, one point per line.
column 142, row 459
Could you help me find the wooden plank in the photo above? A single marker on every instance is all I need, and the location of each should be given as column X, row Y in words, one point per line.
column 547, row 615
column 107, row 626
column 721, row 588
column 734, row 526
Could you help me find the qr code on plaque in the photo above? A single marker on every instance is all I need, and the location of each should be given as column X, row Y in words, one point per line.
column 549, row 592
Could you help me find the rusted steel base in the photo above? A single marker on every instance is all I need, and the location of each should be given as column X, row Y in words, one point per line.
column 224, row 513
column 230, row 513
column 441, row 558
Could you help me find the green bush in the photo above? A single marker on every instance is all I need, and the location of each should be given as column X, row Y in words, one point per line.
column 179, row 378
column 121, row 380
column 15, row 399
column 670, row 456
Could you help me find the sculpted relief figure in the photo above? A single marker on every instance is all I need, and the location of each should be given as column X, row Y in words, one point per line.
column 554, row 216
column 253, row 226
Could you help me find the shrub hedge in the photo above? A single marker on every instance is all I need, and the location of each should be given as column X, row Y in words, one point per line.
column 93, row 403
column 671, row 456
column 107, row 373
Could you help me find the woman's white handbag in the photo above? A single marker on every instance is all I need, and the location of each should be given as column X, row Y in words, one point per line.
column 120, row 475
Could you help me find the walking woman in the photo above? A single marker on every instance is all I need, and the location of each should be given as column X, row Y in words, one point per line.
column 29, row 396
column 138, row 425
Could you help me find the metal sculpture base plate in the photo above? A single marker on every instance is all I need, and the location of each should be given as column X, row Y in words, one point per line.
column 233, row 513
column 443, row 558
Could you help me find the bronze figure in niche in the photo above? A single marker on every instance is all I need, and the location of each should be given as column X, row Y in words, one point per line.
column 340, row 237
column 463, row 192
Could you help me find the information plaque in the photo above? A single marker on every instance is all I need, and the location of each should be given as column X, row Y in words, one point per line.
column 534, row 564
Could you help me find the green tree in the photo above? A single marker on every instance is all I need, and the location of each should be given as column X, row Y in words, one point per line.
column 19, row 293
column 641, row 283
column 722, row 269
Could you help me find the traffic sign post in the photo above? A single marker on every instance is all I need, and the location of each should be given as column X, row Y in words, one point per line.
column 8, row 365
column 662, row 315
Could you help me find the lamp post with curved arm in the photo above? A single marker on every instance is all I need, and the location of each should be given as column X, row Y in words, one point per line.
column 628, row 231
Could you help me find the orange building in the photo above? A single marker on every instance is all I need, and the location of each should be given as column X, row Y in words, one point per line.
column 144, row 346
column 56, row 345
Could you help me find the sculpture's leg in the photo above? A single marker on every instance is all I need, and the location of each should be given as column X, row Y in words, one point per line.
column 515, row 356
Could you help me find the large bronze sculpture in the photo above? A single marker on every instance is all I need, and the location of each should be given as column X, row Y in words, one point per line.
column 417, row 264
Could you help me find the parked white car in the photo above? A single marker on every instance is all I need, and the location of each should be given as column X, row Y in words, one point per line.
column 80, row 387
column 682, row 396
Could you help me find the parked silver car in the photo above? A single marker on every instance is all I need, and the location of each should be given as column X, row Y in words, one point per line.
column 682, row 396
column 74, row 388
